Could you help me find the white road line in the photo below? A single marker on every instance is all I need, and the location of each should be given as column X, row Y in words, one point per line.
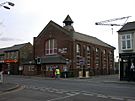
column 116, row 98
column 60, row 98
column 102, row 96
column 71, row 93
column 88, row 94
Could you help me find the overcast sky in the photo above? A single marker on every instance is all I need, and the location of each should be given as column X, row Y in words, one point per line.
column 28, row 17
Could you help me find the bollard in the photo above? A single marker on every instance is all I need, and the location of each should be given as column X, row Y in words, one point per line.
column 87, row 74
column 80, row 74
column 1, row 77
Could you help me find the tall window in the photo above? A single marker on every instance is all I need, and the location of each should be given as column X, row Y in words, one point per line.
column 77, row 48
column 126, row 42
column 88, row 57
column 51, row 47
column 97, row 58
column 78, row 54
column 104, row 59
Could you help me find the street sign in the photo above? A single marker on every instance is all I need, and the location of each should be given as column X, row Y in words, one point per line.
column 82, row 61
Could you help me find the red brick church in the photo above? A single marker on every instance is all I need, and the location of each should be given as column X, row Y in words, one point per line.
column 63, row 47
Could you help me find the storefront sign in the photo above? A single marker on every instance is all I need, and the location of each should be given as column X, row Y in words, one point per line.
column 1, row 61
column 9, row 61
column 62, row 50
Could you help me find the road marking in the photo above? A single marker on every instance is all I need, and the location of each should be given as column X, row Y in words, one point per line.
column 60, row 98
column 116, row 98
column 71, row 93
column 102, row 96
column 88, row 94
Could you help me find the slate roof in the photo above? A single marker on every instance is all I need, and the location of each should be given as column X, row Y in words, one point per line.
column 128, row 27
column 82, row 37
column 13, row 48
column 90, row 39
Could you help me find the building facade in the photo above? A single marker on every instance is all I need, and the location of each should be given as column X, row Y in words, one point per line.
column 13, row 58
column 63, row 47
column 126, row 39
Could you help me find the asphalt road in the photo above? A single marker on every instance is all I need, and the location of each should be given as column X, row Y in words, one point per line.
column 93, row 89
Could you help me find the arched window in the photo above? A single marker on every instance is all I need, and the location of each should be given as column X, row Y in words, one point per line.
column 78, row 48
column 88, row 50
column 51, row 47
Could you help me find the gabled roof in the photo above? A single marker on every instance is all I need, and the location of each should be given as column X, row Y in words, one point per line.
column 56, row 26
column 78, row 36
column 128, row 27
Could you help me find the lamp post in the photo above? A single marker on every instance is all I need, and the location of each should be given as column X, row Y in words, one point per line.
column 4, row 4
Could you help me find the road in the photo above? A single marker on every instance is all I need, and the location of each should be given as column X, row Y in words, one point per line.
column 73, row 89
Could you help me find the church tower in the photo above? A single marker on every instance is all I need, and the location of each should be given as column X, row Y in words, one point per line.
column 68, row 23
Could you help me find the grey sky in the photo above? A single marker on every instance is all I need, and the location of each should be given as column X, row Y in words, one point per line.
column 28, row 17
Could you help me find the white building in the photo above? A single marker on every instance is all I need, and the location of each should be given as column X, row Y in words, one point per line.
column 126, row 41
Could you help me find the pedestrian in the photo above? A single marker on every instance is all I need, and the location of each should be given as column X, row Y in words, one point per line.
column 20, row 70
column 65, row 71
column 53, row 72
column 57, row 73
column 132, row 71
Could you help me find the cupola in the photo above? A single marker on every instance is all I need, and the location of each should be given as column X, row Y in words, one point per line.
column 68, row 23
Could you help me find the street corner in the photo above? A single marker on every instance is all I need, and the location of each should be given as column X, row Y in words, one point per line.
column 7, row 87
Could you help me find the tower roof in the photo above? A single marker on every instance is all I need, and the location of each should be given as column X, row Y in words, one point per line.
column 68, row 19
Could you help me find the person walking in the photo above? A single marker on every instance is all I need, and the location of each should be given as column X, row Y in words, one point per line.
column 57, row 73
column 65, row 71
column 132, row 69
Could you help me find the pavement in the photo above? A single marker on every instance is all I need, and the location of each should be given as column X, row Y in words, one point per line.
column 6, row 87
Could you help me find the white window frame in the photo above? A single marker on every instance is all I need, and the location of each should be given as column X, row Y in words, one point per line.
column 49, row 49
column 125, row 40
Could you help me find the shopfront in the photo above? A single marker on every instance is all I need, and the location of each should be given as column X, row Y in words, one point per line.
column 126, row 61
column 48, row 65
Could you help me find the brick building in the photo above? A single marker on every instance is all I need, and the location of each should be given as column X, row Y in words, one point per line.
column 13, row 58
column 63, row 47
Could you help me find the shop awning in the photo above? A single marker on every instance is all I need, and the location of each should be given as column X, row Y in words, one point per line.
column 53, row 59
